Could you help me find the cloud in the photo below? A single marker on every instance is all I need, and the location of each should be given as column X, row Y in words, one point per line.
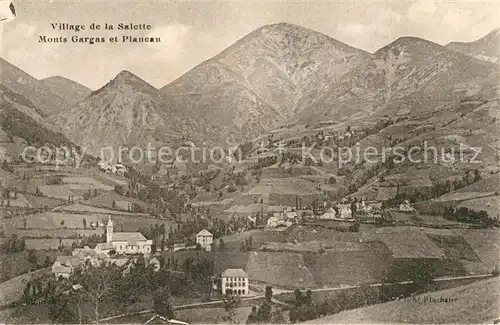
column 457, row 18
column 370, row 36
column 158, row 63
column 172, row 44
column 421, row 11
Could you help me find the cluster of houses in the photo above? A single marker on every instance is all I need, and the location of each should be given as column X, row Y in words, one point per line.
column 120, row 244
column 118, row 168
column 114, row 250
column 284, row 218
column 340, row 211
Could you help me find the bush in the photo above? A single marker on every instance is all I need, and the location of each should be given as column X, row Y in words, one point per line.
column 54, row 180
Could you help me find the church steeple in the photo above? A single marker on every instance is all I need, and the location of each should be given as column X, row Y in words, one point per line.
column 109, row 231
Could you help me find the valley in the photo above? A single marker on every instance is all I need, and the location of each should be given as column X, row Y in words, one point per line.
column 318, row 180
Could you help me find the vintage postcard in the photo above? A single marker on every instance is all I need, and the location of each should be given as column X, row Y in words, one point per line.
column 244, row 162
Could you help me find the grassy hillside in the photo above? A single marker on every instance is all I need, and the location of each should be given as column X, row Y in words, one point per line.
column 475, row 303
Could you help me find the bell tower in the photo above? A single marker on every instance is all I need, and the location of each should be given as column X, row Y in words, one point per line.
column 109, row 231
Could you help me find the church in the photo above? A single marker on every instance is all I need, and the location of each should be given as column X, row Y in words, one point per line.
column 127, row 242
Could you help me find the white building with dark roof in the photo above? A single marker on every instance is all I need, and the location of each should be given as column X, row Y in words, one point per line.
column 127, row 242
column 235, row 280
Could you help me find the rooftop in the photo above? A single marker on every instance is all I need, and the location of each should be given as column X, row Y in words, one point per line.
column 129, row 237
column 234, row 273
column 204, row 232
column 69, row 260
column 103, row 246
column 58, row 268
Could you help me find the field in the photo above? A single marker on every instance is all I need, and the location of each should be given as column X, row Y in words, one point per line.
column 487, row 184
column 61, row 220
column 326, row 236
column 42, row 201
column 12, row 290
column 48, row 243
column 283, row 269
column 350, row 267
column 73, row 185
column 105, row 201
column 475, row 303
column 52, row 220
column 489, row 204
column 407, row 245
column 211, row 315
column 12, row 265
column 83, row 208
column 61, row 192
column 485, row 244
column 59, row 233
column 222, row 259
column 259, row 238
column 454, row 247
column 435, row 220
column 20, row 201
column 462, row 196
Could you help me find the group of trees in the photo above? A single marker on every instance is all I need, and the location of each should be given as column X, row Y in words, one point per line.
column 247, row 245
column 467, row 215
column 90, row 194
column 435, row 191
column 419, row 273
column 90, row 241
column 266, row 313
column 98, row 291
column 13, row 244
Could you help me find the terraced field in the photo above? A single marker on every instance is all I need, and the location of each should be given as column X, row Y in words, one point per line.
column 285, row 269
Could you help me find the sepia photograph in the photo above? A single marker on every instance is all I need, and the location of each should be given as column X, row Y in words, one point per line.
column 249, row 162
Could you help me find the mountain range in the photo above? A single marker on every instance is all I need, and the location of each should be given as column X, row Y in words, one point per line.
column 278, row 74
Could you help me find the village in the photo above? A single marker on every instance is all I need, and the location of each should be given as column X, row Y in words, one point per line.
column 305, row 180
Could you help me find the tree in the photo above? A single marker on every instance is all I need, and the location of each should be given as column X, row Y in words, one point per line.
column 222, row 245
column 231, row 302
column 477, row 175
column 32, row 259
column 99, row 284
column 250, row 243
column 298, row 297
column 269, row 293
column 59, row 311
column 252, row 318
column 161, row 303
column 162, row 244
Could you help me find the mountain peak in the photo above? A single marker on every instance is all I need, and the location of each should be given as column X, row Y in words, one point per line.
column 127, row 75
column 411, row 43
column 283, row 25
column 485, row 48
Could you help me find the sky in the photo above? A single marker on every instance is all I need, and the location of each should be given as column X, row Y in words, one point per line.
column 194, row 31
